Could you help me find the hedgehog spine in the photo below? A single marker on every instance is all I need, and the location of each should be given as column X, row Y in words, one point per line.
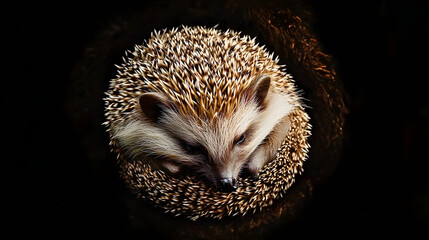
column 202, row 99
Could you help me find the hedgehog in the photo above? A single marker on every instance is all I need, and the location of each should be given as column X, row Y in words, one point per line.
column 202, row 102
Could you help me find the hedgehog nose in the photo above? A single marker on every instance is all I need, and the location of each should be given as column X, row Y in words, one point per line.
column 228, row 184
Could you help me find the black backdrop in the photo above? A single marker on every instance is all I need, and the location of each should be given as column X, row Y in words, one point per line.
column 380, row 185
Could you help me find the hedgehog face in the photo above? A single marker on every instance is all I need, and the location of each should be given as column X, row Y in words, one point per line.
column 217, row 149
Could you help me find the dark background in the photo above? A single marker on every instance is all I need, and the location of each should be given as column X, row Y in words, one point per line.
column 379, row 187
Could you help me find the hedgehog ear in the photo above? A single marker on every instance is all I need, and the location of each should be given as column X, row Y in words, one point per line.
column 259, row 88
column 152, row 105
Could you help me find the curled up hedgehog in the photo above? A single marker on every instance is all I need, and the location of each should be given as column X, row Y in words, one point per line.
column 206, row 123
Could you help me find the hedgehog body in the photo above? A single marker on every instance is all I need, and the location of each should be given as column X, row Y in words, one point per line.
column 201, row 101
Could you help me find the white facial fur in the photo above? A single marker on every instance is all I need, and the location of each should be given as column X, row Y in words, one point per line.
column 217, row 154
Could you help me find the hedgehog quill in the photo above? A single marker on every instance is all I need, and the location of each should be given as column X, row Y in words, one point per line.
column 204, row 102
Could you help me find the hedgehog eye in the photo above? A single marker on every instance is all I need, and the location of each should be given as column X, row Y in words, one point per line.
column 241, row 139
column 191, row 149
